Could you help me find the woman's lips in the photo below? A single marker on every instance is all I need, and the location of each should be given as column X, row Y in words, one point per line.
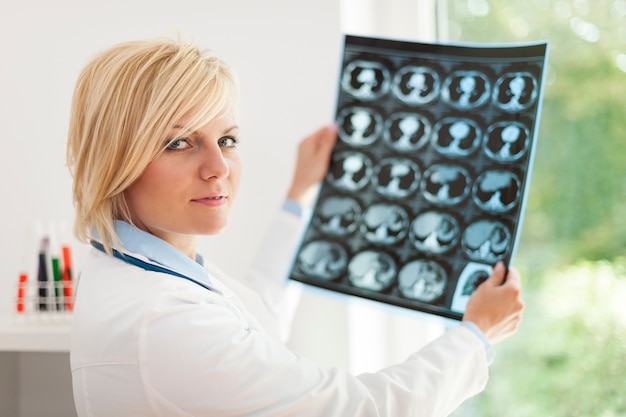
column 212, row 201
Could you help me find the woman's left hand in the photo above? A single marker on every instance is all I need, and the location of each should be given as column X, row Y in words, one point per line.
column 312, row 163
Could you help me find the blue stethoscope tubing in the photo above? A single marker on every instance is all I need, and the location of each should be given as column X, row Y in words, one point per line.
column 148, row 266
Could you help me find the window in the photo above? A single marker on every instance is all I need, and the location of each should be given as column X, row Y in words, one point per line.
column 567, row 357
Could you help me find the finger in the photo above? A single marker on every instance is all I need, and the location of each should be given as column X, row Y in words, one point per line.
column 325, row 131
column 498, row 274
column 319, row 141
column 513, row 278
column 511, row 325
column 329, row 135
column 506, row 327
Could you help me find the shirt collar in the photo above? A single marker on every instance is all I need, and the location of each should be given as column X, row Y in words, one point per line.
column 135, row 241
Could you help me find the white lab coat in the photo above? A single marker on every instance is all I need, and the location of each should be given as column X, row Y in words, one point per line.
column 150, row 344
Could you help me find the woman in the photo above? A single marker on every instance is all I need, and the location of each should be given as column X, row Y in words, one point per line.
column 157, row 330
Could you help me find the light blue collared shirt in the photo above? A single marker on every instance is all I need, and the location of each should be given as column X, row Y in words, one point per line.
column 479, row 333
column 135, row 241
column 291, row 206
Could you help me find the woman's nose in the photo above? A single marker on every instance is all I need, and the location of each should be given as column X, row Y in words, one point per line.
column 213, row 163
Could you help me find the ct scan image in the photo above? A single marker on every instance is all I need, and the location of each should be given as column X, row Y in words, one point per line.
column 359, row 126
column 407, row 132
column 384, row 223
column 338, row 215
column 427, row 182
column 506, row 141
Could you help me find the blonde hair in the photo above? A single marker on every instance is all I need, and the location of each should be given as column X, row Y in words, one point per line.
column 125, row 102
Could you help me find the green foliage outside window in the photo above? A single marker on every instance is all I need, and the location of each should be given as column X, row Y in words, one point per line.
column 569, row 357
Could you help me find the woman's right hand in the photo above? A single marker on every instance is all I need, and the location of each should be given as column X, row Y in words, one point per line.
column 496, row 307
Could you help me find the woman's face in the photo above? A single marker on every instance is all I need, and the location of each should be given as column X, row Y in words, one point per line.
column 190, row 188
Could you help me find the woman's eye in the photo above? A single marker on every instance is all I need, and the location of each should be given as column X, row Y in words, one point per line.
column 228, row 142
column 178, row 144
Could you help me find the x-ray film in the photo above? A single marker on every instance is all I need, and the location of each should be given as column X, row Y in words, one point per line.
column 428, row 179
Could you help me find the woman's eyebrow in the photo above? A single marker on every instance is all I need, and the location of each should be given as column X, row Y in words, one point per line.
column 233, row 127
column 195, row 132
